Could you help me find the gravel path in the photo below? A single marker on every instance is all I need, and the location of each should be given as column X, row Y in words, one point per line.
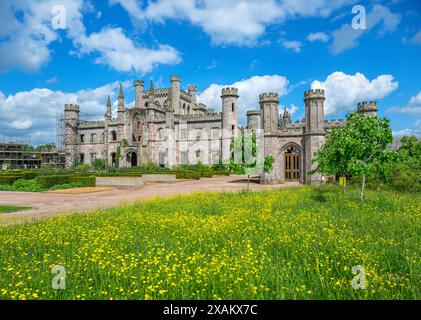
column 45, row 204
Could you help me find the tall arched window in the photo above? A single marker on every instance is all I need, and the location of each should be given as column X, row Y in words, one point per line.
column 113, row 135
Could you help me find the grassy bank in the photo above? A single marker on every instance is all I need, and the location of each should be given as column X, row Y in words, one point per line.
column 298, row 243
column 6, row 209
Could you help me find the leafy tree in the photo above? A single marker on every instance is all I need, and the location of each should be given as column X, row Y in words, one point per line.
column 405, row 173
column 246, row 161
column 359, row 148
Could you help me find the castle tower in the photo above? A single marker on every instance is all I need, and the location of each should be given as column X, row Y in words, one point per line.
column 175, row 94
column 229, row 98
column 253, row 119
column 269, row 112
column 138, row 91
column 314, row 134
column 193, row 92
column 71, row 123
column 368, row 108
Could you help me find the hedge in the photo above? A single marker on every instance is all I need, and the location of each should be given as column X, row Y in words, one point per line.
column 187, row 175
column 50, row 181
column 84, row 181
column 8, row 180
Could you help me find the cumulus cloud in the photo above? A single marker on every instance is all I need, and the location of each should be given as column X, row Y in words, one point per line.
column 292, row 45
column 318, row 36
column 413, row 107
column 27, row 31
column 249, row 91
column 239, row 22
column 344, row 91
column 346, row 37
column 32, row 114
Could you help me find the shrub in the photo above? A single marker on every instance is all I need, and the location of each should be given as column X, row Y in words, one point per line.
column 27, row 185
column 187, row 175
column 83, row 181
column 83, row 169
column 8, row 180
column 66, row 186
column 99, row 165
column 50, row 181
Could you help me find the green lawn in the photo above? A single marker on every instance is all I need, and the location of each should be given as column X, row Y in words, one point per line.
column 295, row 243
column 6, row 209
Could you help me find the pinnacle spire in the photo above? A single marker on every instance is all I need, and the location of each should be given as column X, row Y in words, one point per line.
column 151, row 86
column 120, row 94
column 108, row 101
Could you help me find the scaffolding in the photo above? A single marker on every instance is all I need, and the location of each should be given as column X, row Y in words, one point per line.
column 61, row 128
column 19, row 154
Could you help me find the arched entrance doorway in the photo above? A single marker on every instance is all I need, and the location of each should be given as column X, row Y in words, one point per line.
column 292, row 163
column 113, row 159
column 131, row 158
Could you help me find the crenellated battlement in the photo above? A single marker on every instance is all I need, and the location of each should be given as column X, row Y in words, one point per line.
column 139, row 83
column 269, row 97
column 191, row 88
column 71, row 107
column 229, row 91
column 253, row 113
column 314, row 94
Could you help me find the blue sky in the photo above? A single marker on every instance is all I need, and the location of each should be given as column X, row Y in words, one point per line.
column 286, row 46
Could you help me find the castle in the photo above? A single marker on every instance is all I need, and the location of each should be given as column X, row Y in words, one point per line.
column 139, row 135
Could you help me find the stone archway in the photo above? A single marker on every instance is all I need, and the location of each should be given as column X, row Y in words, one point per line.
column 131, row 158
column 292, row 158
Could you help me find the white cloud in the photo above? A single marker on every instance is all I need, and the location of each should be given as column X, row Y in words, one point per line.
column 346, row 37
column 416, row 39
column 413, row 107
column 121, row 54
column 344, row 91
column 292, row 45
column 27, row 32
column 239, row 22
column 32, row 114
column 291, row 109
column 318, row 36
column 249, row 91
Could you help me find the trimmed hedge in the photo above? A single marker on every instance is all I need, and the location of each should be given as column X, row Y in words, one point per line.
column 8, row 180
column 187, row 175
column 84, row 181
column 51, row 181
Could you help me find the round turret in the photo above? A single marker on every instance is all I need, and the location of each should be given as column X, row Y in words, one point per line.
column 314, row 94
column 229, row 92
column 368, row 108
column 71, row 107
column 270, row 97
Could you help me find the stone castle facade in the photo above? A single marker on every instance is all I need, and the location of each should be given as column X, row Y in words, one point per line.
column 168, row 127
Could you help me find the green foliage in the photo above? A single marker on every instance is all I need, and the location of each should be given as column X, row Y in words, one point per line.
column 67, row 186
column 7, row 209
column 83, row 169
column 8, row 180
column 187, row 175
column 246, row 147
column 83, row 181
column 23, row 185
column 99, row 165
column 50, row 181
column 125, row 143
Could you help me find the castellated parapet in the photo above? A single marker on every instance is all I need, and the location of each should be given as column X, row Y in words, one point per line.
column 368, row 108
column 71, row 107
column 139, row 83
column 314, row 94
column 229, row 91
column 270, row 97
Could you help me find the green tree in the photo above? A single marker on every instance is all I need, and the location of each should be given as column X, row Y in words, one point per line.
column 359, row 148
column 245, row 158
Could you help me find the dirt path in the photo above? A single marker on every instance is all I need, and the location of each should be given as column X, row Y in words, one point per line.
column 47, row 204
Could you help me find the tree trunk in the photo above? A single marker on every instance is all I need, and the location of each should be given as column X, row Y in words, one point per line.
column 343, row 183
column 362, row 189
column 248, row 182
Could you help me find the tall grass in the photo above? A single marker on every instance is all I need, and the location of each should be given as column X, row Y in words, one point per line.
column 298, row 243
